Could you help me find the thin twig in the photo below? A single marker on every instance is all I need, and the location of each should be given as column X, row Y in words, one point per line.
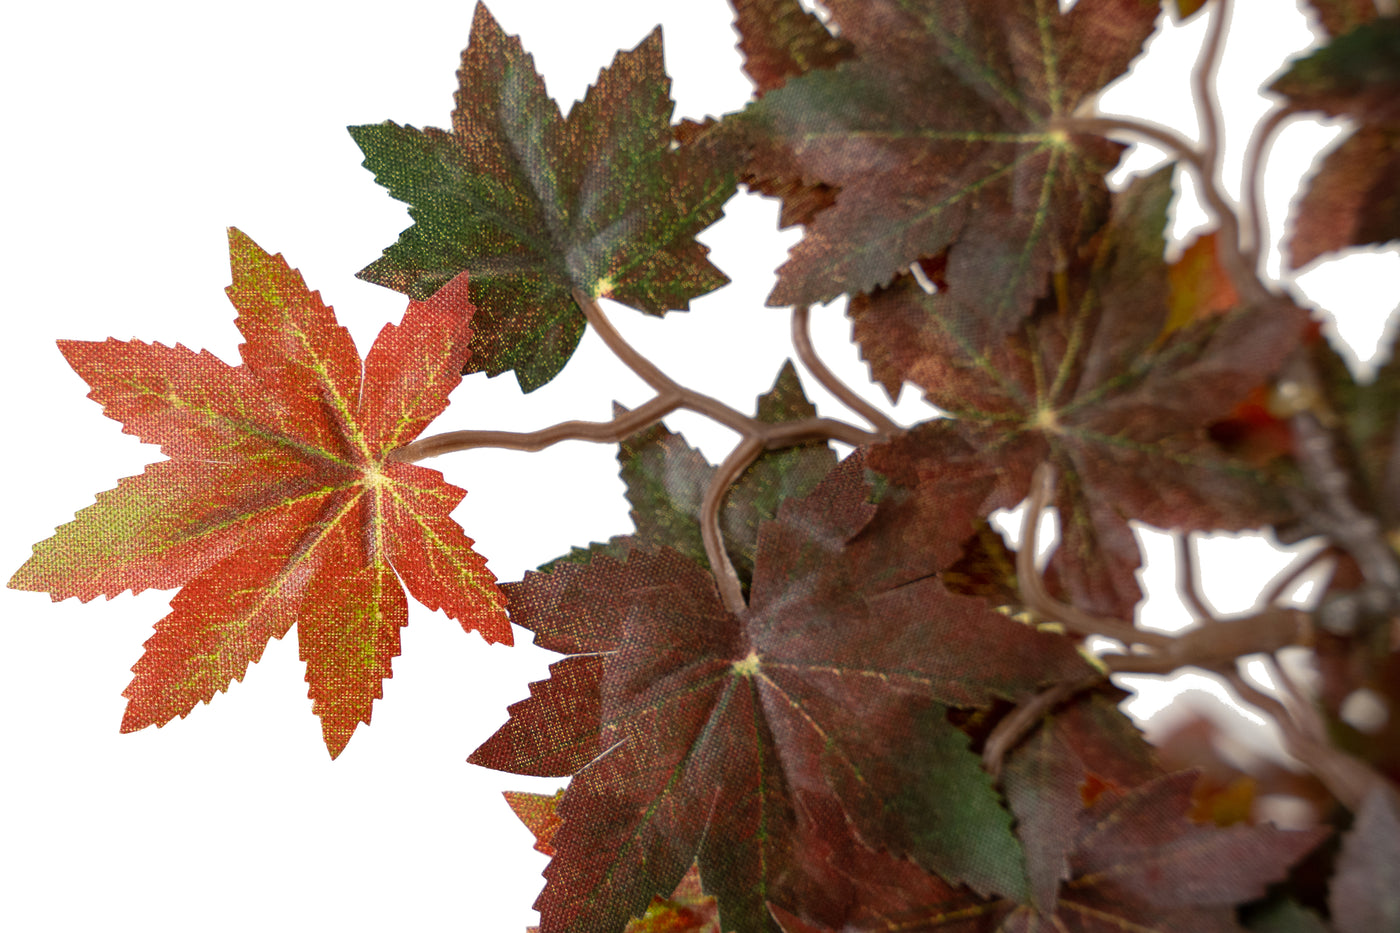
column 1238, row 266
column 1281, row 585
column 1203, row 90
column 773, row 435
column 1259, row 145
column 1033, row 591
column 624, row 351
column 1349, row 779
column 802, row 341
column 601, row 432
column 725, row 476
column 1016, row 724
column 1187, row 581
column 1300, row 706
column 706, row 405
column 1356, row 531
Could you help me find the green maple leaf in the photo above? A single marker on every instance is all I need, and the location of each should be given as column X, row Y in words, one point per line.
column 942, row 133
column 534, row 204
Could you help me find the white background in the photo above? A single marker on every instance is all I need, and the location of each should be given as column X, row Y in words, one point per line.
column 134, row 133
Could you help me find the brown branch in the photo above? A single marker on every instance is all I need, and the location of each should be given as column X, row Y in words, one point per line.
column 624, row 351
column 600, row 432
column 1348, row 778
column 1281, row 585
column 1016, row 724
column 1187, row 581
column 1238, row 266
column 802, row 341
column 1033, row 591
column 1203, row 90
column 1259, row 145
column 1218, row 643
column 729, row 471
column 1335, row 513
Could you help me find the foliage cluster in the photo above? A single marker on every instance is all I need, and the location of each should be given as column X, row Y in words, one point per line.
column 811, row 693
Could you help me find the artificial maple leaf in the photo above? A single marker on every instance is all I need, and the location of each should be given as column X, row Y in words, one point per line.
column 688, row 910
column 780, row 39
column 1357, row 74
column 1183, row 10
column 694, row 733
column 1087, row 742
column 534, row 204
column 1137, row 863
column 279, row 503
column 1284, row 916
column 539, row 813
column 1090, row 384
column 1340, row 16
column 1353, row 199
column 666, row 480
column 1198, row 285
column 942, row 134
column 1365, row 891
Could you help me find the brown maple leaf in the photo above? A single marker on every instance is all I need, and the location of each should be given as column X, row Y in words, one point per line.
column 694, row 734
column 942, row 135
column 1106, row 381
column 1135, row 862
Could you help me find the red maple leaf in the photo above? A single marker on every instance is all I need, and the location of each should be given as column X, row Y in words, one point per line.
column 695, row 733
column 280, row 503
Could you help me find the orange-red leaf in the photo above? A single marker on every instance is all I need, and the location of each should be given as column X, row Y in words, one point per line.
column 279, row 505
column 539, row 813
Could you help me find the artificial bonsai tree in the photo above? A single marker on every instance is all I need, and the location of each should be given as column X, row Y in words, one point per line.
column 812, row 692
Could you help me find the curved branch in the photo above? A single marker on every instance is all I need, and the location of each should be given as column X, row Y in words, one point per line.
column 1348, row 778
column 1203, row 90
column 802, row 342
column 779, row 434
column 726, row 474
column 1033, row 591
column 1238, row 266
column 1015, row 725
column 600, row 432
column 1259, row 145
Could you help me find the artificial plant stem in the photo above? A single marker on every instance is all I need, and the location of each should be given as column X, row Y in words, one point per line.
column 601, row 432
column 771, row 435
column 1032, row 587
column 1359, row 533
column 1015, row 725
column 1203, row 89
column 733, row 466
column 1349, row 779
column 802, row 342
column 1237, row 265
column 1259, row 145
column 623, row 350
column 1187, row 583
